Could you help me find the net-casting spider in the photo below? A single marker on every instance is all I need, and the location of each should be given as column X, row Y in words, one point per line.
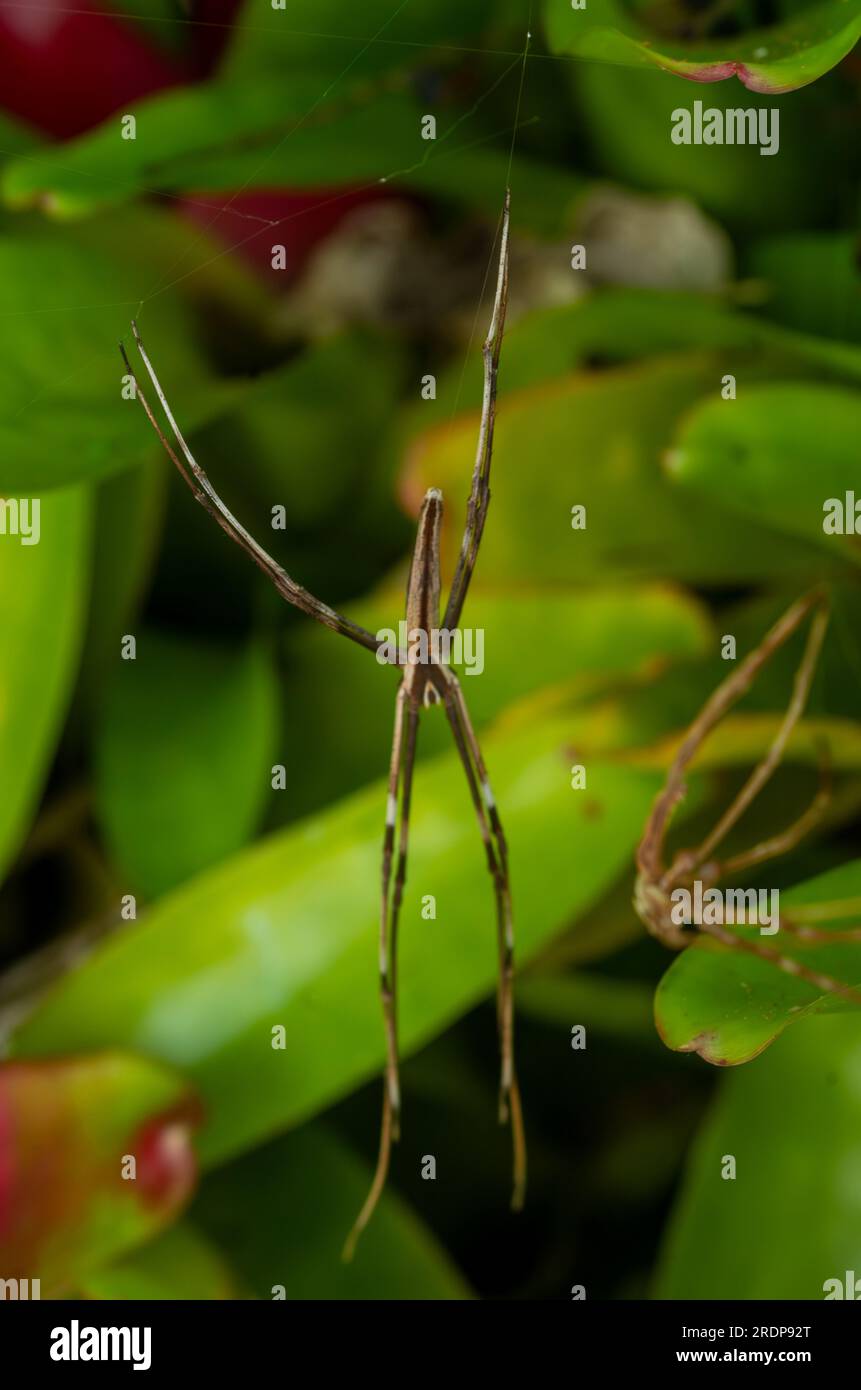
column 424, row 681
column 655, row 882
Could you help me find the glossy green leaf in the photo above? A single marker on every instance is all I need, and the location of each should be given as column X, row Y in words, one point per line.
column 282, row 1213
column 43, row 589
column 285, row 933
column 597, row 440
column 787, row 55
column 184, row 751
column 790, row 1221
column 180, row 1264
column 69, row 1130
column 727, row 1005
column 753, row 455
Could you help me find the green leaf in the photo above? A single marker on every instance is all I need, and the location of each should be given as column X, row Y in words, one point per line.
column 618, row 1008
column 180, row 1264
column 226, row 135
column 68, row 1129
column 611, row 429
column 742, row 739
column 332, row 452
column 599, row 634
column 101, row 168
column 320, row 34
column 15, row 137
column 753, row 455
column 126, row 527
column 629, row 117
column 42, row 594
column 791, row 1219
column 282, row 1213
column 183, row 756
column 285, row 934
column 728, row 1006
column 62, row 415
column 621, row 325
column 785, row 56
column 813, row 282
column 161, row 19
column 313, row 496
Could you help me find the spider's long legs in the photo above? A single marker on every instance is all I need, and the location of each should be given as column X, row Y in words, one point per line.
column 650, row 849
column 825, row 983
column 827, row 911
column 479, row 496
column 783, row 842
column 687, row 861
column 397, row 898
column 800, row 921
column 195, row 477
column 817, row 936
column 497, row 862
column 506, row 928
column 378, row 1183
column 497, row 868
column 387, row 947
column 400, row 778
column 518, row 1144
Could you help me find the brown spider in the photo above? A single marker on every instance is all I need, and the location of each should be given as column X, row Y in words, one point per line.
column 656, row 882
column 424, row 680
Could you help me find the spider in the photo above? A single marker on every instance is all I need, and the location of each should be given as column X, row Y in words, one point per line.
column 655, row 882
column 424, row 681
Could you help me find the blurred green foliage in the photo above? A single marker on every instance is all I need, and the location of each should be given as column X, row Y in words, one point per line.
column 257, row 907
column 43, row 590
column 176, row 790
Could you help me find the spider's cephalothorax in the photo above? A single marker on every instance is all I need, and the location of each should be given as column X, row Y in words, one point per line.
column 653, row 907
column 655, row 881
column 424, row 680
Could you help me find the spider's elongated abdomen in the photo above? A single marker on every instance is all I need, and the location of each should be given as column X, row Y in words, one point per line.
column 424, row 582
